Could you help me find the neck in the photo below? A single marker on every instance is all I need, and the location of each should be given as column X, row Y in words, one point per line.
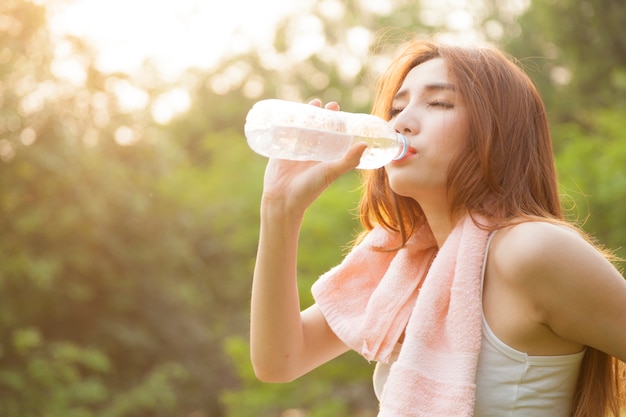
column 439, row 221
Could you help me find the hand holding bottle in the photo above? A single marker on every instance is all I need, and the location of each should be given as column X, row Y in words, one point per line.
column 296, row 184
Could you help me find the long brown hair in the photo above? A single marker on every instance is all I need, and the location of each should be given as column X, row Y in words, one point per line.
column 505, row 172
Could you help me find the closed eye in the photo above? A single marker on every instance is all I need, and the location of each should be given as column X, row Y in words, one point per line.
column 439, row 103
column 394, row 111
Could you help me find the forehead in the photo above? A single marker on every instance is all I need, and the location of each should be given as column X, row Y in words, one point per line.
column 433, row 71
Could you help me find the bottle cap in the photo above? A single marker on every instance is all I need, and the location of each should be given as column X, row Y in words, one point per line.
column 405, row 147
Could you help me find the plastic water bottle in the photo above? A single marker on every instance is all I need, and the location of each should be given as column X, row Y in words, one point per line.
column 302, row 132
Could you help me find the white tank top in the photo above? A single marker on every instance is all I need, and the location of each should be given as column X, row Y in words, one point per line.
column 510, row 383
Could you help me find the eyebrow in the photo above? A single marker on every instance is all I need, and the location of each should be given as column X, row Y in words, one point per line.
column 437, row 86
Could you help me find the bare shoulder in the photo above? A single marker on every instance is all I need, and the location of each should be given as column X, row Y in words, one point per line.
column 540, row 259
column 533, row 247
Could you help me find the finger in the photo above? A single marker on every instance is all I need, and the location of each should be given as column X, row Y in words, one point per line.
column 332, row 105
column 316, row 102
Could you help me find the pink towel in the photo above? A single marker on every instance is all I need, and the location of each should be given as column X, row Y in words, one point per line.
column 373, row 296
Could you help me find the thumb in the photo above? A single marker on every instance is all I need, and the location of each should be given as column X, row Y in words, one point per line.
column 350, row 160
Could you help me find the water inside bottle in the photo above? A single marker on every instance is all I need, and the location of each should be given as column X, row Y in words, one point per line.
column 380, row 151
column 307, row 144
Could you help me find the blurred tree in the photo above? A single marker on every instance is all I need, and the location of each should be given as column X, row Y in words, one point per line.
column 593, row 172
column 116, row 295
column 576, row 54
column 575, row 50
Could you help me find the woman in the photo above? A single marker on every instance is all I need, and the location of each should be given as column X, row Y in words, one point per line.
column 467, row 286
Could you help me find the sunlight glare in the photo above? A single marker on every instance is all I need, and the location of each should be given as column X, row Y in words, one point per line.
column 380, row 7
column 130, row 98
column 359, row 40
column 28, row 136
column 171, row 104
column 332, row 9
column 125, row 136
column 173, row 34
column 460, row 20
column 306, row 35
column 66, row 66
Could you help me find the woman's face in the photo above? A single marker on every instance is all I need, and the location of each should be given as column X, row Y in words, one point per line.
column 429, row 111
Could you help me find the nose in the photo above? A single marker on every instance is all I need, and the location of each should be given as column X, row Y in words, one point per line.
column 405, row 122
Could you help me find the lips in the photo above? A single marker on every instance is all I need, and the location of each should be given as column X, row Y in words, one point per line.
column 409, row 153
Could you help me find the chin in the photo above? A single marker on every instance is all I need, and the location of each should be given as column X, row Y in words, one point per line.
column 402, row 185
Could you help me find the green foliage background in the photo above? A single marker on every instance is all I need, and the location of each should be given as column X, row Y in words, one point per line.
column 125, row 270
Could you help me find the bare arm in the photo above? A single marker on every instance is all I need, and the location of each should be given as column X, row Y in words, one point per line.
column 284, row 342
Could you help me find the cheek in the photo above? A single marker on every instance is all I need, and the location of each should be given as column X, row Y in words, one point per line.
column 456, row 134
column 453, row 140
